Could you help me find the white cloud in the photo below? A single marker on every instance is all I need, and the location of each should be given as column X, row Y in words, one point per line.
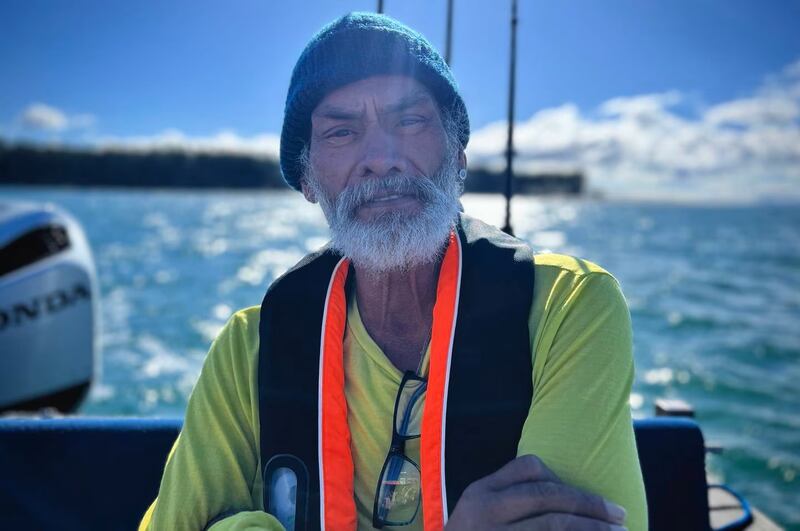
column 43, row 117
column 81, row 121
column 225, row 141
column 792, row 70
column 746, row 148
column 766, row 109
column 640, row 106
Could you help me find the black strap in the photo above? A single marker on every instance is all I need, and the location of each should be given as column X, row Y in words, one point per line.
column 288, row 370
column 490, row 387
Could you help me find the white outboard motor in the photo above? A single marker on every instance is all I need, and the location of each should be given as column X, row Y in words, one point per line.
column 48, row 309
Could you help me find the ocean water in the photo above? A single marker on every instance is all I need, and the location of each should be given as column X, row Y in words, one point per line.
column 714, row 293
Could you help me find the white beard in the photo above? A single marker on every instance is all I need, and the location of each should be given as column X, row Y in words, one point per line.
column 394, row 241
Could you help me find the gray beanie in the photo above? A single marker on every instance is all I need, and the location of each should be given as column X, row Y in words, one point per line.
column 355, row 47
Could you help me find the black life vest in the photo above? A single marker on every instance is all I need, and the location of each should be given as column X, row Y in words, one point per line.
column 486, row 383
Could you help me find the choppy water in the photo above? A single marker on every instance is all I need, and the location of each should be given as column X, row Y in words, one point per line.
column 714, row 294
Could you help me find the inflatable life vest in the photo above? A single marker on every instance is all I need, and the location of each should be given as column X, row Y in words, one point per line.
column 479, row 382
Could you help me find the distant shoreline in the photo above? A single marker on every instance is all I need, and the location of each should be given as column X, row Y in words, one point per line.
column 30, row 164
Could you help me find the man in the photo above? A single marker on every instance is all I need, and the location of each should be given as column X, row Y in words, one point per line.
column 423, row 370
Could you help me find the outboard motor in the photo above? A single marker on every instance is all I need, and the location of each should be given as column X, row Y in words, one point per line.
column 48, row 309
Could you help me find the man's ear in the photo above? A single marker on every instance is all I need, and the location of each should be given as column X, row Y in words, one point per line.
column 308, row 193
column 462, row 160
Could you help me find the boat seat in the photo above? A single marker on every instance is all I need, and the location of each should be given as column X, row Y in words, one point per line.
column 102, row 473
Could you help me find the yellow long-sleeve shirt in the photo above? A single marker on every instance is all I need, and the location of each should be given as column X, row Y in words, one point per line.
column 579, row 423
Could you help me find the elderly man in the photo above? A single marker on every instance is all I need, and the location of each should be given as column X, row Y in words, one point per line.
column 423, row 370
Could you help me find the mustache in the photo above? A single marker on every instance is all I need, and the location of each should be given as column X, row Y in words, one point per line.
column 356, row 195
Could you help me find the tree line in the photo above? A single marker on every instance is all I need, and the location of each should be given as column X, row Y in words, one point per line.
column 48, row 165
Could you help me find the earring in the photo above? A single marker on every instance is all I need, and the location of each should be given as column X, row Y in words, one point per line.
column 462, row 174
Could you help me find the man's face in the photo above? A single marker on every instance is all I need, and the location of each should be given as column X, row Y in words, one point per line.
column 384, row 172
column 374, row 128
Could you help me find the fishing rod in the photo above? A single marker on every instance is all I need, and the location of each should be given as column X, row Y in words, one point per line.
column 510, row 142
column 449, row 34
column 509, row 188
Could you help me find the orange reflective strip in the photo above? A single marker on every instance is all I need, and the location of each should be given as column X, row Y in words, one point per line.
column 434, row 496
column 337, row 503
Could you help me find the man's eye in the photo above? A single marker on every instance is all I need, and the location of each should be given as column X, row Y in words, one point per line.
column 340, row 133
column 411, row 121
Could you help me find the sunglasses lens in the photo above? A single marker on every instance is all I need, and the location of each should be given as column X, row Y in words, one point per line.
column 399, row 491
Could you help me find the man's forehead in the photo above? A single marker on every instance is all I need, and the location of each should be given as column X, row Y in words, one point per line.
column 388, row 93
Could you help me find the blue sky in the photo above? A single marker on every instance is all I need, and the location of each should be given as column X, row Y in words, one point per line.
column 212, row 74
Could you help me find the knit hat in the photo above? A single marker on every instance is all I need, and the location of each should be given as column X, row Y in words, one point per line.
column 355, row 47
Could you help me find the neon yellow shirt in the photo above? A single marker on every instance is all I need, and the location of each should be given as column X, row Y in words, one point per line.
column 579, row 423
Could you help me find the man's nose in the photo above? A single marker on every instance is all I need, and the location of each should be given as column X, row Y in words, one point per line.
column 382, row 154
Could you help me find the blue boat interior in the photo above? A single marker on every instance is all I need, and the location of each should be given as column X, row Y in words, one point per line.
column 102, row 473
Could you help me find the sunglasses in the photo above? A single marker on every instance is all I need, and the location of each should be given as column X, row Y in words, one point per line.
column 397, row 496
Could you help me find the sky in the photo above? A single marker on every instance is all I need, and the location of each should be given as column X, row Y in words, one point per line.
column 684, row 99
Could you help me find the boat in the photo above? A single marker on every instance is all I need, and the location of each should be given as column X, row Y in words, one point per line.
column 85, row 473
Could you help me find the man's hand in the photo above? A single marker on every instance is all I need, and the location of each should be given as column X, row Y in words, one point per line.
column 525, row 494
